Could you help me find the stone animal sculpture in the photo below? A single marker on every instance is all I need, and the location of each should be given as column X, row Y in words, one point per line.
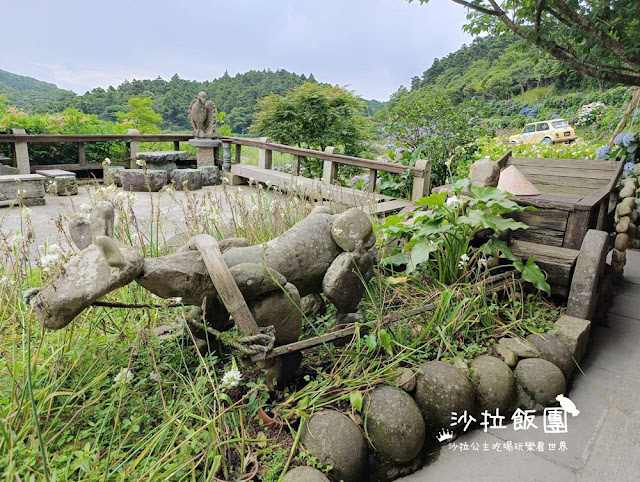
column 203, row 117
column 324, row 253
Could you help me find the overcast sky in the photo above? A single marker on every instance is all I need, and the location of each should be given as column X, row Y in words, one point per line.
column 373, row 46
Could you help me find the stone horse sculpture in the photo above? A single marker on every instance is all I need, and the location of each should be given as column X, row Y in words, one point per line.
column 324, row 253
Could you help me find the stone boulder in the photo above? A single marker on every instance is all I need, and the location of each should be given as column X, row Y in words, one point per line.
column 334, row 439
column 554, row 351
column 539, row 382
column 520, row 347
column 440, row 390
column 344, row 282
column 394, row 424
column 352, row 228
column 80, row 232
column 304, row 474
column 187, row 179
column 282, row 310
column 494, row 383
column 484, row 173
column 574, row 333
column 211, row 175
column 139, row 180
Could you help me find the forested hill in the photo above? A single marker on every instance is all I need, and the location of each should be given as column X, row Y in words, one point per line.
column 236, row 96
column 499, row 67
column 27, row 93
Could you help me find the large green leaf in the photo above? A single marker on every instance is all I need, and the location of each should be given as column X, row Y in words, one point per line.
column 420, row 252
column 532, row 273
column 436, row 199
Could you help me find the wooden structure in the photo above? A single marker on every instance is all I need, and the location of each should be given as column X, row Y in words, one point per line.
column 327, row 187
column 20, row 141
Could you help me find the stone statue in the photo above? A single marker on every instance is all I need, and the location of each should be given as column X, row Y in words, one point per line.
column 203, row 116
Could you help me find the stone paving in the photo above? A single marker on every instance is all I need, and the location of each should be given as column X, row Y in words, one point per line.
column 603, row 442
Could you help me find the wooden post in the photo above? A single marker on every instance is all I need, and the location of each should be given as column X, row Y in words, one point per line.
column 373, row 177
column 265, row 156
column 21, row 153
column 82, row 154
column 238, row 153
column 330, row 168
column 296, row 165
column 133, row 148
column 422, row 185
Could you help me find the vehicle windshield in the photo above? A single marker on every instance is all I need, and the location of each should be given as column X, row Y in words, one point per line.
column 559, row 124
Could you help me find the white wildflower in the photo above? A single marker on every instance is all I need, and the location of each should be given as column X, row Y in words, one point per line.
column 26, row 212
column 49, row 262
column 452, row 201
column 231, row 378
column 251, row 181
column 124, row 376
column 112, row 188
column 225, row 180
column 121, row 196
column 269, row 184
column 178, row 300
column 86, row 208
column 132, row 198
column 239, row 189
column 482, row 262
column 107, row 161
column 141, row 162
column 464, row 259
column 156, row 377
column 17, row 239
column 21, row 193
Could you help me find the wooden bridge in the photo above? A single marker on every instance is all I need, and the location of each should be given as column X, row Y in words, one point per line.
column 327, row 187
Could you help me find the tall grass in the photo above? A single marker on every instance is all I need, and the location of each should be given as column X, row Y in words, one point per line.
column 106, row 399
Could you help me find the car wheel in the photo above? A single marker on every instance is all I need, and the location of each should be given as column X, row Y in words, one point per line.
column 546, row 141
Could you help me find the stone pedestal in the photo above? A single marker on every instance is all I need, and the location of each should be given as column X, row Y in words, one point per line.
column 137, row 180
column 59, row 182
column 28, row 187
column 205, row 151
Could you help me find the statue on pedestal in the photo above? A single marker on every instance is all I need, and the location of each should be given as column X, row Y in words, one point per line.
column 203, row 116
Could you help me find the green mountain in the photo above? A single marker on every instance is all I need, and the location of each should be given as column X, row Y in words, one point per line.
column 500, row 67
column 236, row 96
column 27, row 92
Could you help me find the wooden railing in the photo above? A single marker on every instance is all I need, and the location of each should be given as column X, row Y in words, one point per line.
column 20, row 141
column 332, row 159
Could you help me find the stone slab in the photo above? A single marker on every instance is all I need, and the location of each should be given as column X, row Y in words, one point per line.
column 138, row 180
column 162, row 156
column 61, row 185
column 207, row 143
column 55, row 173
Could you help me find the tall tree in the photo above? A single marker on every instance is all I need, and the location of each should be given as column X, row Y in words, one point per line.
column 598, row 38
column 141, row 115
column 315, row 116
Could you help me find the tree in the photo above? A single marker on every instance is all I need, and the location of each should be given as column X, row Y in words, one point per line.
column 141, row 115
column 427, row 120
column 314, row 116
column 599, row 38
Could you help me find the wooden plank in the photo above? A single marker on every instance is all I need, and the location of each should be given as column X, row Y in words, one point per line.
column 225, row 285
column 565, row 202
column 571, row 172
column 238, row 153
column 568, row 163
column 387, row 207
column 308, row 187
column 306, row 344
column 53, row 138
column 373, row 177
column 551, row 219
column 539, row 235
column 557, row 262
column 578, row 224
column 502, row 162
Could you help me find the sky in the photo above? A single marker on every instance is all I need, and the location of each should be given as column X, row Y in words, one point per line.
column 370, row 46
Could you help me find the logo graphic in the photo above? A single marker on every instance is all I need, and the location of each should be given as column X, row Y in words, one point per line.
column 444, row 435
column 568, row 405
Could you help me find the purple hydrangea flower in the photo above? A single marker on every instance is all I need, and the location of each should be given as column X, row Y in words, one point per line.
column 629, row 166
column 355, row 179
column 602, row 153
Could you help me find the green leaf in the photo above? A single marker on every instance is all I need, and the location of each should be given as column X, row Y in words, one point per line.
column 420, row 252
column 504, row 249
column 356, row 400
column 487, row 194
column 436, row 199
column 532, row 273
column 395, row 260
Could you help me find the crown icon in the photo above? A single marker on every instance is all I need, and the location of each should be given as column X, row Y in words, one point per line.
column 444, row 435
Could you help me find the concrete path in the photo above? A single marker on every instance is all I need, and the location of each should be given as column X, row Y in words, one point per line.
column 603, row 442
